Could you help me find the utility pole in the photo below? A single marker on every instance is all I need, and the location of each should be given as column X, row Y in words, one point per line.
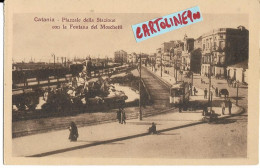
column 209, row 94
column 161, row 64
column 191, row 78
column 62, row 61
column 237, row 93
column 140, row 108
column 53, row 60
column 176, row 71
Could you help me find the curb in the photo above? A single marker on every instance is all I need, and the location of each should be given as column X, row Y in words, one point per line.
column 63, row 127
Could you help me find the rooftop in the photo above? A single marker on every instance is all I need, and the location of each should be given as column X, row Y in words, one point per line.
column 243, row 65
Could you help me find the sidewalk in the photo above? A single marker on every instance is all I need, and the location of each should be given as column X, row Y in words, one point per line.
column 170, row 80
column 57, row 141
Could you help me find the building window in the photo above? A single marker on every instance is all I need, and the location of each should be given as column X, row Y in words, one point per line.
column 222, row 60
column 222, row 45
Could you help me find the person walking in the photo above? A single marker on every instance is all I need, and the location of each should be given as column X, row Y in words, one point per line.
column 194, row 91
column 205, row 93
column 190, row 85
column 216, row 92
column 223, row 105
column 229, row 106
column 123, row 117
column 73, row 132
column 119, row 115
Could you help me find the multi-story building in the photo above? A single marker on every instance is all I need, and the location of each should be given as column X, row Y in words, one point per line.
column 188, row 46
column 132, row 58
column 152, row 59
column 177, row 53
column 167, row 52
column 120, row 56
column 198, row 43
column 195, row 56
column 223, row 47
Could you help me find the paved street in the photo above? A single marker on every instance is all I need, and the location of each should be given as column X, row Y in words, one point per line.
column 220, row 83
column 225, row 139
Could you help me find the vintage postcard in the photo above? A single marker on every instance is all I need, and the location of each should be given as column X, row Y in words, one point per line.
column 131, row 82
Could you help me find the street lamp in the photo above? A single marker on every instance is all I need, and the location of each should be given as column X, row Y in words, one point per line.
column 237, row 92
column 140, row 78
column 210, row 96
column 191, row 78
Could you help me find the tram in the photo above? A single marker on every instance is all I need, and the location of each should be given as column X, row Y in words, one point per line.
column 179, row 93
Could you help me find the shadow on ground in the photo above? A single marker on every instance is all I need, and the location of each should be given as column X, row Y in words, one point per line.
column 224, row 121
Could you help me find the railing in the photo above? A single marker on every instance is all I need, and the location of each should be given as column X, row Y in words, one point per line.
column 146, row 90
column 54, row 80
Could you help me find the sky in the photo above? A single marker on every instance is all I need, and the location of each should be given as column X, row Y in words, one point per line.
column 38, row 41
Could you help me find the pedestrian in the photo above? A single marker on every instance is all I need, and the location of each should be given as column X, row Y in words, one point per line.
column 180, row 107
column 205, row 93
column 119, row 115
column 152, row 129
column 73, row 132
column 194, row 91
column 216, row 91
column 235, row 83
column 123, row 117
column 223, row 105
column 229, row 106
column 205, row 110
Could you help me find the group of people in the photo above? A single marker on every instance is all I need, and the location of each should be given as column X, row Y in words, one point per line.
column 229, row 105
column 121, row 117
column 224, row 104
column 206, row 92
column 232, row 82
column 193, row 90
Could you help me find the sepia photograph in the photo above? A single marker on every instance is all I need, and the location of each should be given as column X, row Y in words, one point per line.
column 82, row 86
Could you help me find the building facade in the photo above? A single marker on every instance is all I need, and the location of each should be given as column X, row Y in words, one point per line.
column 120, row 57
column 132, row 58
column 188, row 46
column 223, row 47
